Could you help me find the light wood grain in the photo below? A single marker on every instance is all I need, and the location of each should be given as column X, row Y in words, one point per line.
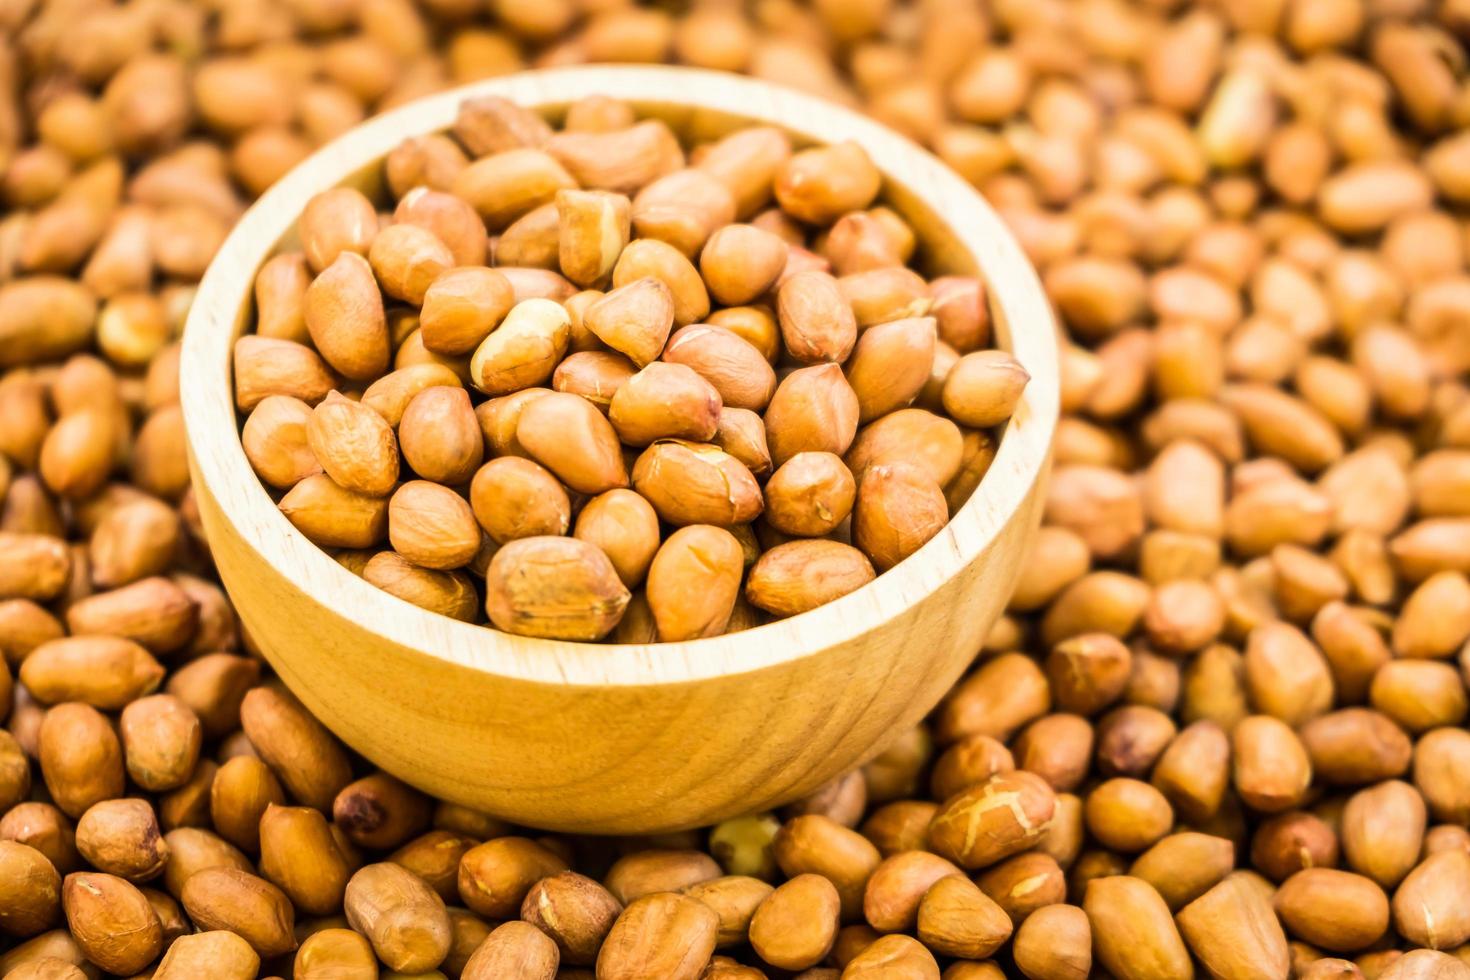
column 622, row 739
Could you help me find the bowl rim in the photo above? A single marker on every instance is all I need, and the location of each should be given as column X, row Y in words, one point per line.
column 1016, row 294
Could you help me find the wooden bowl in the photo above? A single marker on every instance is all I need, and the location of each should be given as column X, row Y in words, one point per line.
column 624, row 739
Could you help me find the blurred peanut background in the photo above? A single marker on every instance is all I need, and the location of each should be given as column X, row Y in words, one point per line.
column 1221, row 730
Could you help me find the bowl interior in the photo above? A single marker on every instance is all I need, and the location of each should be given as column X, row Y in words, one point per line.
column 957, row 232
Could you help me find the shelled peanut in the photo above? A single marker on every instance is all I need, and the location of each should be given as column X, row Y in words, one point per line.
column 1249, row 595
column 581, row 374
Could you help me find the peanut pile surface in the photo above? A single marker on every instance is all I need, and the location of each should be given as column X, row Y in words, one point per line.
column 1221, row 730
column 663, row 405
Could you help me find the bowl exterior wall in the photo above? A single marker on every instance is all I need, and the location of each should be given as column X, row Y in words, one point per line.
column 637, row 758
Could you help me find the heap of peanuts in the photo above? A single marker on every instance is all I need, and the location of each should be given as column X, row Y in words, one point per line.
column 1221, row 730
column 665, row 355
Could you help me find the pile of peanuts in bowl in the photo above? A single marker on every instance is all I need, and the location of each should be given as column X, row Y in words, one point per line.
column 646, row 419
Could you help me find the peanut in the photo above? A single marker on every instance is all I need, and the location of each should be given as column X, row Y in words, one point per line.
column 222, row 953
column 735, row 899
column 462, row 306
column 432, row 526
column 80, row 757
column 664, row 401
column 401, row 916
column 440, row 436
column 593, row 229
column 809, row 495
column 299, row 855
column 523, row 350
column 797, row 576
column 561, row 588
column 741, row 262
column 1234, row 931
column 516, row 498
column 333, row 516
column 695, row 483
column 663, row 935
column 344, row 316
column 275, row 441
column 1133, row 934
column 795, row 926
column 496, row 876
column 898, row 509
column 1014, row 808
column 254, row 909
column 693, row 581
column 817, row 322
column 354, row 445
column 595, row 375
column 819, row 185
column 514, row 949
column 571, row 438
column 957, row 919
column 122, row 837
column 1333, row 909
column 634, row 319
column 32, row 890
column 111, row 921
column 891, row 364
column 575, row 912
column 730, row 364
column 310, row 763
